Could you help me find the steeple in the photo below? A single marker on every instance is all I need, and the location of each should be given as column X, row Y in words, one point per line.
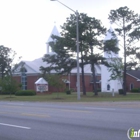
column 54, row 32
column 110, row 35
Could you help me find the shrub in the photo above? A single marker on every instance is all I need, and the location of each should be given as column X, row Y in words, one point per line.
column 6, row 93
column 8, row 85
column 98, row 90
column 120, row 91
column 72, row 90
column 25, row 93
column 136, row 90
column 68, row 92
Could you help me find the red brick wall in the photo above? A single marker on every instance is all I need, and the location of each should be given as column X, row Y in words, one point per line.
column 88, row 84
column 132, row 80
column 31, row 82
column 73, row 79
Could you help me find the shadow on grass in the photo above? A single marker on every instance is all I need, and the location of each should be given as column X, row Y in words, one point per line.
column 9, row 97
column 57, row 98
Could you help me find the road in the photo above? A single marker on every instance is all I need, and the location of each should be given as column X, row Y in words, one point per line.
column 68, row 121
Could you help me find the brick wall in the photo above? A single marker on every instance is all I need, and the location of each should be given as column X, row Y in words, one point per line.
column 132, row 80
column 73, row 79
column 31, row 82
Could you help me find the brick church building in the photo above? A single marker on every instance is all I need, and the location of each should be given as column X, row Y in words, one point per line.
column 32, row 74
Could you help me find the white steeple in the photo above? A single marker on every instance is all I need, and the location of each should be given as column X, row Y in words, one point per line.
column 108, row 85
column 54, row 32
column 109, row 36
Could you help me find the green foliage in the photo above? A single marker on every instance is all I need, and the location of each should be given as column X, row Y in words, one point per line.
column 7, row 56
column 111, row 45
column 55, row 81
column 135, row 90
column 8, row 85
column 116, row 69
column 68, row 92
column 25, row 93
column 99, row 90
column 91, row 33
column 128, row 30
column 121, row 91
column 58, row 62
column 5, row 60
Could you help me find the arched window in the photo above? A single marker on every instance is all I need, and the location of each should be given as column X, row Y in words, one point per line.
column 131, row 86
column 108, row 87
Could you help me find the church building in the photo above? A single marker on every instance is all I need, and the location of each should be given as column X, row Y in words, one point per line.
column 32, row 73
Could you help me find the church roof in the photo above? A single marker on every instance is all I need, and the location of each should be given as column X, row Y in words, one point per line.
column 134, row 73
column 34, row 67
column 41, row 81
column 54, row 32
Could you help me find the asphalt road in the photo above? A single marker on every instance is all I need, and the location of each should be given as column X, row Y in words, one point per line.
column 68, row 121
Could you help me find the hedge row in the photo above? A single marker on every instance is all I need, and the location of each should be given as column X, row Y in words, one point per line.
column 25, row 93
column 135, row 90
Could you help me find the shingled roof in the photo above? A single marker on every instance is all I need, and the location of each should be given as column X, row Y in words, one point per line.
column 134, row 73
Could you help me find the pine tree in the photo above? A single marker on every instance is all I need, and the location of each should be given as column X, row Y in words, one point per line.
column 128, row 30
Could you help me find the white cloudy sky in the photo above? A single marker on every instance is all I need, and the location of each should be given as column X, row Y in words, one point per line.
column 25, row 25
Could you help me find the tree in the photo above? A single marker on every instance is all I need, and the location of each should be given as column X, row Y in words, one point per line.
column 7, row 58
column 116, row 69
column 8, row 85
column 90, row 38
column 93, row 35
column 56, row 81
column 60, row 60
column 4, row 60
column 128, row 29
column 69, row 41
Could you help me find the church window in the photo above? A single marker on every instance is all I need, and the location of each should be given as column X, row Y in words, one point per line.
column 24, row 79
column 131, row 86
column 108, row 87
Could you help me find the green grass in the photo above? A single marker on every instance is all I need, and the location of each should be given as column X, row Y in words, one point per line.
column 63, row 97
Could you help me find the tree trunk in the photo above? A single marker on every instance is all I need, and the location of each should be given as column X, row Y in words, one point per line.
column 93, row 73
column 94, row 80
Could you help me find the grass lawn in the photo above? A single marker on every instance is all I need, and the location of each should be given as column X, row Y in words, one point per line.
column 63, row 97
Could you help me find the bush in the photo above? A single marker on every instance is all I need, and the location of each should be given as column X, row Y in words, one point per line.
column 25, row 93
column 72, row 90
column 98, row 90
column 68, row 92
column 120, row 91
column 6, row 93
column 8, row 85
column 135, row 90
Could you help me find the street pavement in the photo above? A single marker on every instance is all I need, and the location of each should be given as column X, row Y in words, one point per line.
column 68, row 121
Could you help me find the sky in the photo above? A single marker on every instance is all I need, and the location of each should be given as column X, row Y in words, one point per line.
column 25, row 25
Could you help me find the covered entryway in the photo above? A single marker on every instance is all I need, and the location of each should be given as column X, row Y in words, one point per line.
column 41, row 85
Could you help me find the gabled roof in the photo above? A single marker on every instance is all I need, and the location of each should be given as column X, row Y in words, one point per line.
column 54, row 32
column 134, row 73
column 34, row 67
column 41, row 81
